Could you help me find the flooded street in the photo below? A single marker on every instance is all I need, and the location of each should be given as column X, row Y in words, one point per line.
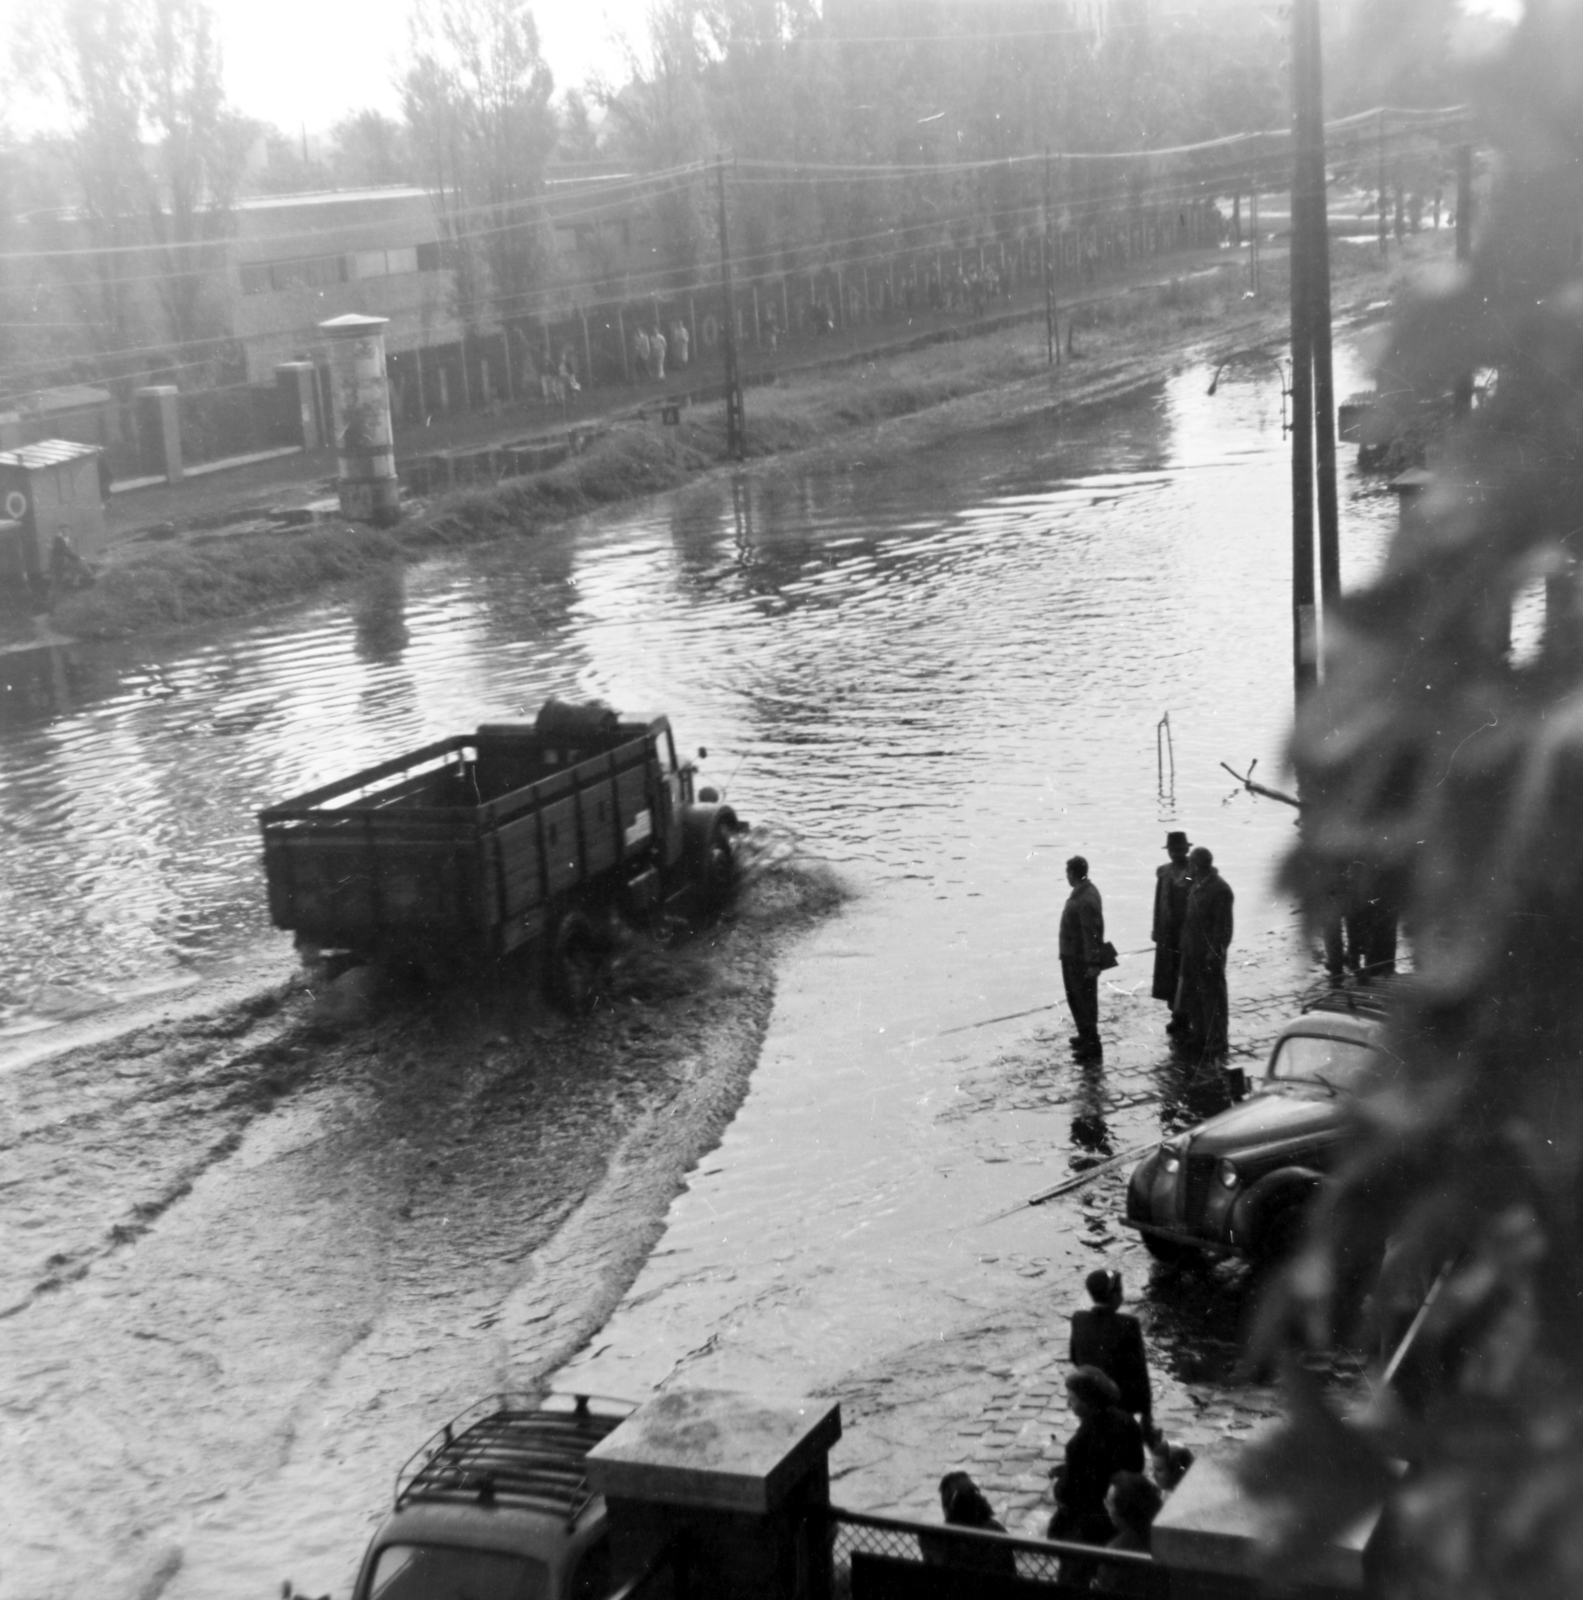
column 942, row 675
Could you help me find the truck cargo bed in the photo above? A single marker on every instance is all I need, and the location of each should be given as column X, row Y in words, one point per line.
column 462, row 845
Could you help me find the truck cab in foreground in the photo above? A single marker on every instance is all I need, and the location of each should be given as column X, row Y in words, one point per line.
column 1239, row 1184
column 497, row 1506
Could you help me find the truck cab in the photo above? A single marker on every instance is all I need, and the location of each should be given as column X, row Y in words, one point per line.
column 496, row 1506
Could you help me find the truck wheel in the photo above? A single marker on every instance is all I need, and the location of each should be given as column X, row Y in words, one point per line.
column 719, row 869
column 576, row 964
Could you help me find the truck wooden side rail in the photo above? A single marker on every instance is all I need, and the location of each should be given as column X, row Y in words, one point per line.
column 474, row 846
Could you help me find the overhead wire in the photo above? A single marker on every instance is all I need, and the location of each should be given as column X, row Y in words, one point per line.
column 1077, row 205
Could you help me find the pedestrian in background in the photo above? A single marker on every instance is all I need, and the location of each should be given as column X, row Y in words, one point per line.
column 640, row 349
column 1171, row 889
column 1081, row 937
column 657, row 353
column 1206, row 936
column 682, row 339
column 1106, row 1337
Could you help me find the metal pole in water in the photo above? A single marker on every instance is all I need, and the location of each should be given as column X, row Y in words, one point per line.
column 1303, row 619
column 736, row 429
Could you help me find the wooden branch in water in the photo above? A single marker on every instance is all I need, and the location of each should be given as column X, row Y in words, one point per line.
column 1246, row 780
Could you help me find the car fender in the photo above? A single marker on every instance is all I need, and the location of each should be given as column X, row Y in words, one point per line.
column 699, row 822
column 1273, row 1192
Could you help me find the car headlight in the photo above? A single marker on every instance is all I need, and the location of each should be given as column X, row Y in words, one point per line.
column 1229, row 1176
column 1171, row 1155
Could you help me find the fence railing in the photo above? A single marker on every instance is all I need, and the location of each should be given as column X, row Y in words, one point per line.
column 1054, row 1567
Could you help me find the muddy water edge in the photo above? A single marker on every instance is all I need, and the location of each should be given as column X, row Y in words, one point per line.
column 253, row 1256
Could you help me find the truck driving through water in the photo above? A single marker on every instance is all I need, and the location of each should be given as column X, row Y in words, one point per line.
column 518, row 836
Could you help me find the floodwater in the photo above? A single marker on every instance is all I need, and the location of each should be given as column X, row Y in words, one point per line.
column 943, row 675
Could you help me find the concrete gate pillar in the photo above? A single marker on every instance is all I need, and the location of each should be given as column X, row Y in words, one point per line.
column 159, row 429
column 729, row 1483
column 298, row 382
column 360, row 399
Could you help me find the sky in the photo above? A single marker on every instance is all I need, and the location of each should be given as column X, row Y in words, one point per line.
column 308, row 62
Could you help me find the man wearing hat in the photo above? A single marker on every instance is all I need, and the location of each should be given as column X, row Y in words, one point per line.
column 1171, row 888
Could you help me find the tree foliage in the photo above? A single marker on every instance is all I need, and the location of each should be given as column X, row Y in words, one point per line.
column 1443, row 767
column 476, row 94
column 153, row 154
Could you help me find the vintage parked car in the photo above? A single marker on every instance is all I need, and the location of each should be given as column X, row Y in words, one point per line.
column 498, row 1504
column 1238, row 1184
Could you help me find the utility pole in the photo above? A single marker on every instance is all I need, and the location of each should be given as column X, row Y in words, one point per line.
column 1318, row 284
column 1304, row 620
column 1051, row 344
column 1462, row 393
column 736, row 426
column 1382, row 181
column 1253, row 235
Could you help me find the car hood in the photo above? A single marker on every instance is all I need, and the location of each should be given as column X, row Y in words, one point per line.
column 1273, row 1116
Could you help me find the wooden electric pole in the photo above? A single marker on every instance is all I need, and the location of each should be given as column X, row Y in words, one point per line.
column 1305, row 629
column 736, row 426
column 1051, row 344
column 1462, row 393
column 1318, row 269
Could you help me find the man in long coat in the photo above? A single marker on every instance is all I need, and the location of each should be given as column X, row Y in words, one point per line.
column 1171, row 888
column 1206, row 936
column 1082, row 935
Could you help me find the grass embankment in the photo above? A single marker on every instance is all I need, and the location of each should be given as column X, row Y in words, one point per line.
column 1119, row 337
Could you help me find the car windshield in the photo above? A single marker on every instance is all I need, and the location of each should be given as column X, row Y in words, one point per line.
column 1336, row 1063
column 445, row 1572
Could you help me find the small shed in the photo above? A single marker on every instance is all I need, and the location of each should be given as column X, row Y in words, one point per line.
column 53, row 488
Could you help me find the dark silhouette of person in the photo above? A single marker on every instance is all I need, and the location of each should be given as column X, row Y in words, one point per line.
column 1133, row 1503
column 1104, row 1336
column 1081, row 936
column 1107, row 1441
column 1172, row 885
column 1206, row 936
column 963, row 1504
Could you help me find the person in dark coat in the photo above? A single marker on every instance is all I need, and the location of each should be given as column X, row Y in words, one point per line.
column 1104, row 1336
column 1206, row 937
column 1107, row 1441
column 1133, row 1503
column 1171, row 888
column 1082, row 934
column 963, row 1504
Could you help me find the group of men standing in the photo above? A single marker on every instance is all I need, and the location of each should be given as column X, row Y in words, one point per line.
column 1192, row 934
column 649, row 349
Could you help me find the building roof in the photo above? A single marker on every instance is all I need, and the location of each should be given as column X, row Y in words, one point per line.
column 47, row 453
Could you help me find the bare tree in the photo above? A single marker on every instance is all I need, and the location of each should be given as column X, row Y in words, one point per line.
column 154, row 153
column 476, row 93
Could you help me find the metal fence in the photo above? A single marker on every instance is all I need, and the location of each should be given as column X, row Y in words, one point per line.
column 1055, row 1566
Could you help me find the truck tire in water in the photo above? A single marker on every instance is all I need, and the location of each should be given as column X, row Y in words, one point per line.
column 719, row 869
column 576, row 964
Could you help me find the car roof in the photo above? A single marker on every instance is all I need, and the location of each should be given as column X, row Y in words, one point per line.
column 521, row 1455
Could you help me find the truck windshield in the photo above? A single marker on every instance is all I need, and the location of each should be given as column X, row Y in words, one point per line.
column 446, row 1572
column 1337, row 1063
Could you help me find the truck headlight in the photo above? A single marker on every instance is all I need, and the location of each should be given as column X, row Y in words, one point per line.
column 1229, row 1176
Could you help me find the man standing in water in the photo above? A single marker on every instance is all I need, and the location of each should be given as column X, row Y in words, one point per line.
column 1171, row 888
column 1082, row 935
column 1201, row 1000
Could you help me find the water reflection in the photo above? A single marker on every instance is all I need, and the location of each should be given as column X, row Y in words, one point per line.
column 35, row 683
